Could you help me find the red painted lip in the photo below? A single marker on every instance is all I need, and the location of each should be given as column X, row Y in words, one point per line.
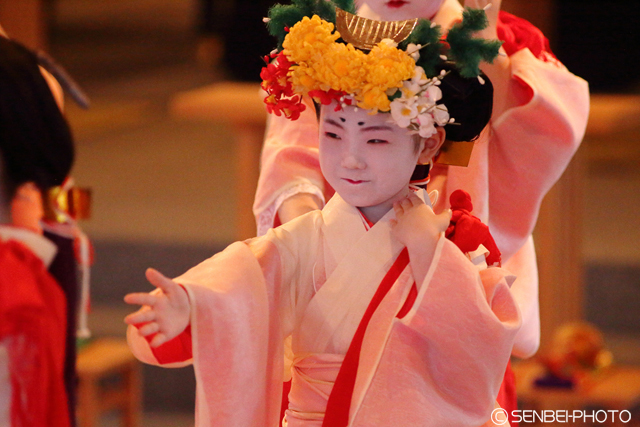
column 353, row 181
column 396, row 4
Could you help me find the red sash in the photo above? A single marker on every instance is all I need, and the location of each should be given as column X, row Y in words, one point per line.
column 337, row 413
column 339, row 404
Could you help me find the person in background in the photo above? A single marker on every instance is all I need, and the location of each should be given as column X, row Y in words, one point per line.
column 36, row 154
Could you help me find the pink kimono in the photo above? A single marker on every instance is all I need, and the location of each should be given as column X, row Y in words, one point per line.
column 301, row 291
column 511, row 169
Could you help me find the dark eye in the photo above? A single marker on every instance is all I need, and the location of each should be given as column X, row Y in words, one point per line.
column 331, row 135
column 377, row 141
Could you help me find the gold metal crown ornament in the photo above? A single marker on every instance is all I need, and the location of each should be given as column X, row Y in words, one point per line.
column 365, row 33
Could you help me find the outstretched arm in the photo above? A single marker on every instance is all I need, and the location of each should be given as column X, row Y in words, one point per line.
column 165, row 311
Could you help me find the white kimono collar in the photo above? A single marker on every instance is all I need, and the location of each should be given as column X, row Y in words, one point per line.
column 42, row 247
column 344, row 223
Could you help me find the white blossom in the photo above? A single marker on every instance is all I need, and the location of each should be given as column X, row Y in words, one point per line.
column 403, row 112
column 427, row 128
column 441, row 115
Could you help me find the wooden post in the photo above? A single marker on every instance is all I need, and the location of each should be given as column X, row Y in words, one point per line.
column 558, row 239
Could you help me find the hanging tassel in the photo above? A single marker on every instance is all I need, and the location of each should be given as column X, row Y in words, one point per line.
column 83, row 249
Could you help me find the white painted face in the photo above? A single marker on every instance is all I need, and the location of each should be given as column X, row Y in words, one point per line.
column 366, row 159
column 398, row 10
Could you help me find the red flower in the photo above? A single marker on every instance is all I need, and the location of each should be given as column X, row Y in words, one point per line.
column 280, row 99
column 325, row 98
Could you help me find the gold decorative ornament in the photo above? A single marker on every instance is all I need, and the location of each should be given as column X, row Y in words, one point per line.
column 75, row 202
column 365, row 33
column 455, row 153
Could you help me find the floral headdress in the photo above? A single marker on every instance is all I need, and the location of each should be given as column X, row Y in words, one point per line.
column 375, row 65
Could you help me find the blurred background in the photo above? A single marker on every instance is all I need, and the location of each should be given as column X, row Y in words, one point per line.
column 165, row 185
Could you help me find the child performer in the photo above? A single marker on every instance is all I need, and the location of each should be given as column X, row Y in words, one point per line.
column 391, row 323
column 539, row 117
column 36, row 153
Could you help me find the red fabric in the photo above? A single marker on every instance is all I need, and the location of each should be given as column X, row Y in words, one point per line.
column 176, row 350
column 507, row 398
column 286, row 388
column 411, row 299
column 337, row 413
column 518, row 33
column 33, row 324
column 179, row 349
column 467, row 231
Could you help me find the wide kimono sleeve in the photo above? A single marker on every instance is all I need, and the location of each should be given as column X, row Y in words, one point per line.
column 243, row 304
column 533, row 141
column 443, row 363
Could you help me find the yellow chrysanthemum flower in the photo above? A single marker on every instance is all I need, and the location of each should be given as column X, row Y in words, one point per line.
column 389, row 66
column 323, row 64
column 308, row 39
column 342, row 68
column 304, row 78
column 373, row 98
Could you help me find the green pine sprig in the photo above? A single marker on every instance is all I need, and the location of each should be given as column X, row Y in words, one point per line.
column 464, row 50
column 428, row 36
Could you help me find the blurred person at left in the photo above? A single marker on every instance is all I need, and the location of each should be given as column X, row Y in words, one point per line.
column 36, row 154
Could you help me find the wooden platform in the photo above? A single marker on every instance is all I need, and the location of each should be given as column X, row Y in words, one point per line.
column 109, row 379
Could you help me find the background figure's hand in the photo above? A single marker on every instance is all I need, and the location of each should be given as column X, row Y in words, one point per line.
column 296, row 205
column 165, row 311
column 492, row 12
column 499, row 72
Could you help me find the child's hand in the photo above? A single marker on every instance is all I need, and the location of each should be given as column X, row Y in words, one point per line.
column 418, row 228
column 491, row 32
column 415, row 221
column 165, row 311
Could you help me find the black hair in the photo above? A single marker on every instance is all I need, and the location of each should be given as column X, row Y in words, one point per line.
column 36, row 144
column 469, row 102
